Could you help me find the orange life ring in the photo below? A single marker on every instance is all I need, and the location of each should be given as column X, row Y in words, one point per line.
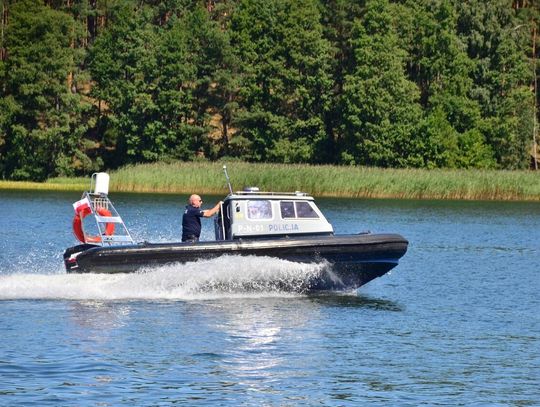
column 78, row 228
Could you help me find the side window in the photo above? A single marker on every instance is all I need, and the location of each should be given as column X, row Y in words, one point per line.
column 259, row 209
column 304, row 210
column 287, row 209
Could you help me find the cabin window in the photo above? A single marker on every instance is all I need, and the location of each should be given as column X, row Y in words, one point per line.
column 300, row 209
column 305, row 210
column 287, row 209
column 259, row 209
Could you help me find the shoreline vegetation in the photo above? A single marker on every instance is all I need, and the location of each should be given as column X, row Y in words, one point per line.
column 375, row 83
column 320, row 181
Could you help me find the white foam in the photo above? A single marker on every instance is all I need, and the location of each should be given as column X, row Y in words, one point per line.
column 228, row 276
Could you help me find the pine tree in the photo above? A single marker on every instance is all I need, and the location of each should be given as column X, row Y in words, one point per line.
column 380, row 105
column 124, row 64
column 338, row 17
column 41, row 122
column 173, row 93
column 439, row 64
column 497, row 40
column 285, row 79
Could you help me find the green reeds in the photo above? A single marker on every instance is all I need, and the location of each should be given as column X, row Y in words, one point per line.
column 326, row 180
column 55, row 184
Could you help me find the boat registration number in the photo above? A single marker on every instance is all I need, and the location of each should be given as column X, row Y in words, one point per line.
column 251, row 228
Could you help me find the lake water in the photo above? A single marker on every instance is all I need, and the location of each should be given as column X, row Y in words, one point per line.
column 456, row 323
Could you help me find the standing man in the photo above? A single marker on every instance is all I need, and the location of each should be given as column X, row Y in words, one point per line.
column 191, row 221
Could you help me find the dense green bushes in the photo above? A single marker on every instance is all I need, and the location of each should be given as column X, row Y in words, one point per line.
column 408, row 83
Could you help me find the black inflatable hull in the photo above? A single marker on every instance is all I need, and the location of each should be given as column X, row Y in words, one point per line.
column 353, row 260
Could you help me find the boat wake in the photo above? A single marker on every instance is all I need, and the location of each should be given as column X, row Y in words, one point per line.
column 228, row 276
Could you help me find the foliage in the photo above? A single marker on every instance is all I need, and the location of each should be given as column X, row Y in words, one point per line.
column 380, row 105
column 89, row 85
column 285, row 79
column 41, row 124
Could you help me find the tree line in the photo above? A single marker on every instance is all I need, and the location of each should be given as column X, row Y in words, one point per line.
column 93, row 84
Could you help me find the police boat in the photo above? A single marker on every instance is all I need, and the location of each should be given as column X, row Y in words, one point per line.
column 287, row 226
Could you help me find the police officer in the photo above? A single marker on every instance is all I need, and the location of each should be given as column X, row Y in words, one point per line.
column 191, row 221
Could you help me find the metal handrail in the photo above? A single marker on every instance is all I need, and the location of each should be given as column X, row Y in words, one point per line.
column 296, row 193
column 99, row 201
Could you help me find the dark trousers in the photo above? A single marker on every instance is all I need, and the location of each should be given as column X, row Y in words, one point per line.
column 190, row 238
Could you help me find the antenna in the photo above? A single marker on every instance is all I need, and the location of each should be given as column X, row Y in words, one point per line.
column 228, row 180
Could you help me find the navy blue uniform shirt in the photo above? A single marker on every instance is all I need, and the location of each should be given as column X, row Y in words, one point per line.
column 191, row 223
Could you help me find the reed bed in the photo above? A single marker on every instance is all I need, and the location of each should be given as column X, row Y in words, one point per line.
column 324, row 180
column 55, row 184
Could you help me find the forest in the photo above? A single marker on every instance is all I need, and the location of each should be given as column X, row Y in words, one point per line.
column 87, row 85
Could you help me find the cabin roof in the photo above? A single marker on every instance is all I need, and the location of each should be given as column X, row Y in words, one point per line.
column 243, row 195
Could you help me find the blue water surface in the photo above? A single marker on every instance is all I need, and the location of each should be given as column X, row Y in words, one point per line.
column 456, row 323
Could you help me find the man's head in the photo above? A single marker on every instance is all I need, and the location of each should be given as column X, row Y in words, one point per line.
column 195, row 200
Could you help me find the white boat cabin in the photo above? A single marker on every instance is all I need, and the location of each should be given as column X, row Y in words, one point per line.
column 254, row 214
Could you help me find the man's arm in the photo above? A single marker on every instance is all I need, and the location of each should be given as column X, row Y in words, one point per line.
column 210, row 212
